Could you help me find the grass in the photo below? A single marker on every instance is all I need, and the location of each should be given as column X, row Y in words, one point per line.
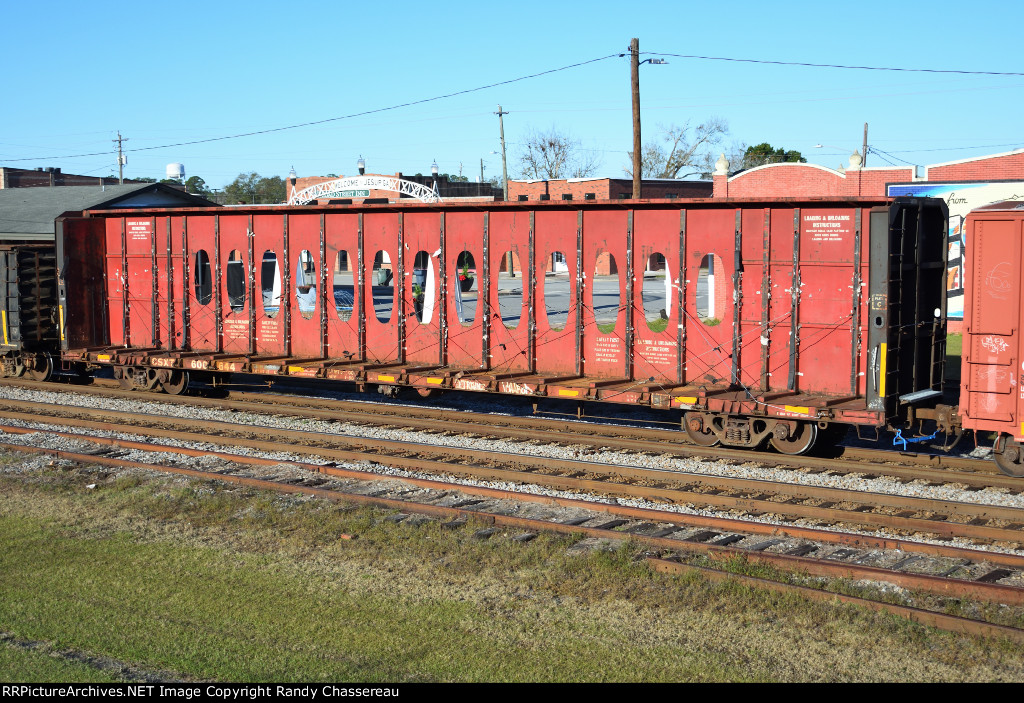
column 32, row 666
column 207, row 582
column 954, row 344
column 659, row 325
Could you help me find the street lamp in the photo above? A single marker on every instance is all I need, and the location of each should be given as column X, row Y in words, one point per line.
column 361, row 165
column 635, row 63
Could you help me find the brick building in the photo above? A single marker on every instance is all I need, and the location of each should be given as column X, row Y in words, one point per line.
column 605, row 189
column 787, row 180
column 964, row 184
column 48, row 177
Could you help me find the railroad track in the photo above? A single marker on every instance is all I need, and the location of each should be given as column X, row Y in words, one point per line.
column 772, row 501
column 903, row 466
column 673, row 540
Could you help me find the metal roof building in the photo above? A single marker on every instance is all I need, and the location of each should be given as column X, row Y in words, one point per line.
column 28, row 214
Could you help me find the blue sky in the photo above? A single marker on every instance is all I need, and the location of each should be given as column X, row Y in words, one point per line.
column 167, row 73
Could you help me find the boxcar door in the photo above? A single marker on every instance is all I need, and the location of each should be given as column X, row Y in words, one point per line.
column 992, row 346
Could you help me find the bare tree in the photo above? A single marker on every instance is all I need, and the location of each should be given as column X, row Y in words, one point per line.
column 682, row 151
column 555, row 154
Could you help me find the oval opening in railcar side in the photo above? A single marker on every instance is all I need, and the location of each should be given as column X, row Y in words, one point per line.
column 270, row 283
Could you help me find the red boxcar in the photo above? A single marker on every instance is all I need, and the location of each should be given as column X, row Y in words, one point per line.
column 759, row 320
column 992, row 378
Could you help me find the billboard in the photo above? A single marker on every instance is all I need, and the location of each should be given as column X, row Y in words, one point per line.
column 961, row 198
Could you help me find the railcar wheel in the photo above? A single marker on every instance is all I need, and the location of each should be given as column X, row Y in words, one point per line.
column 42, row 369
column 798, row 443
column 697, row 432
column 124, row 378
column 1011, row 460
column 176, row 384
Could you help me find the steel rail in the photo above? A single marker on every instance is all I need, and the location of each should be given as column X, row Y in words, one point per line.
column 1015, row 561
column 417, row 457
column 977, row 473
column 994, row 592
column 951, row 623
column 749, row 488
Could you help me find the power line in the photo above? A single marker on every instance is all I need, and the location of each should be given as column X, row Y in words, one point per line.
column 335, row 119
column 1016, row 145
column 883, row 154
column 833, row 65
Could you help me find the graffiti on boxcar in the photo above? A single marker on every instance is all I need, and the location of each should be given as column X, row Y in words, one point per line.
column 998, row 281
column 516, row 388
column 993, row 378
column 465, row 384
column 995, row 345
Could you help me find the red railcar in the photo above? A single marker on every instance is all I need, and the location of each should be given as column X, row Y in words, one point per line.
column 992, row 379
column 760, row 320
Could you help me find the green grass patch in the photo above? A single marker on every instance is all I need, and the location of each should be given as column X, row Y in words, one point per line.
column 216, row 583
column 30, row 666
column 954, row 344
column 659, row 325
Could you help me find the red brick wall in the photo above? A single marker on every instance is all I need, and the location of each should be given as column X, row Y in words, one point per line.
column 807, row 180
column 801, row 180
column 992, row 168
column 608, row 189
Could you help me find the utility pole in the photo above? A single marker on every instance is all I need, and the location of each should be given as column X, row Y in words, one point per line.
column 120, row 157
column 634, row 72
column 864, row 151
column 481, row 169
column 504, row 165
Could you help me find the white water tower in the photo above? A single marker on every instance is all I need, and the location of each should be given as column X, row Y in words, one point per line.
column 176, row 171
